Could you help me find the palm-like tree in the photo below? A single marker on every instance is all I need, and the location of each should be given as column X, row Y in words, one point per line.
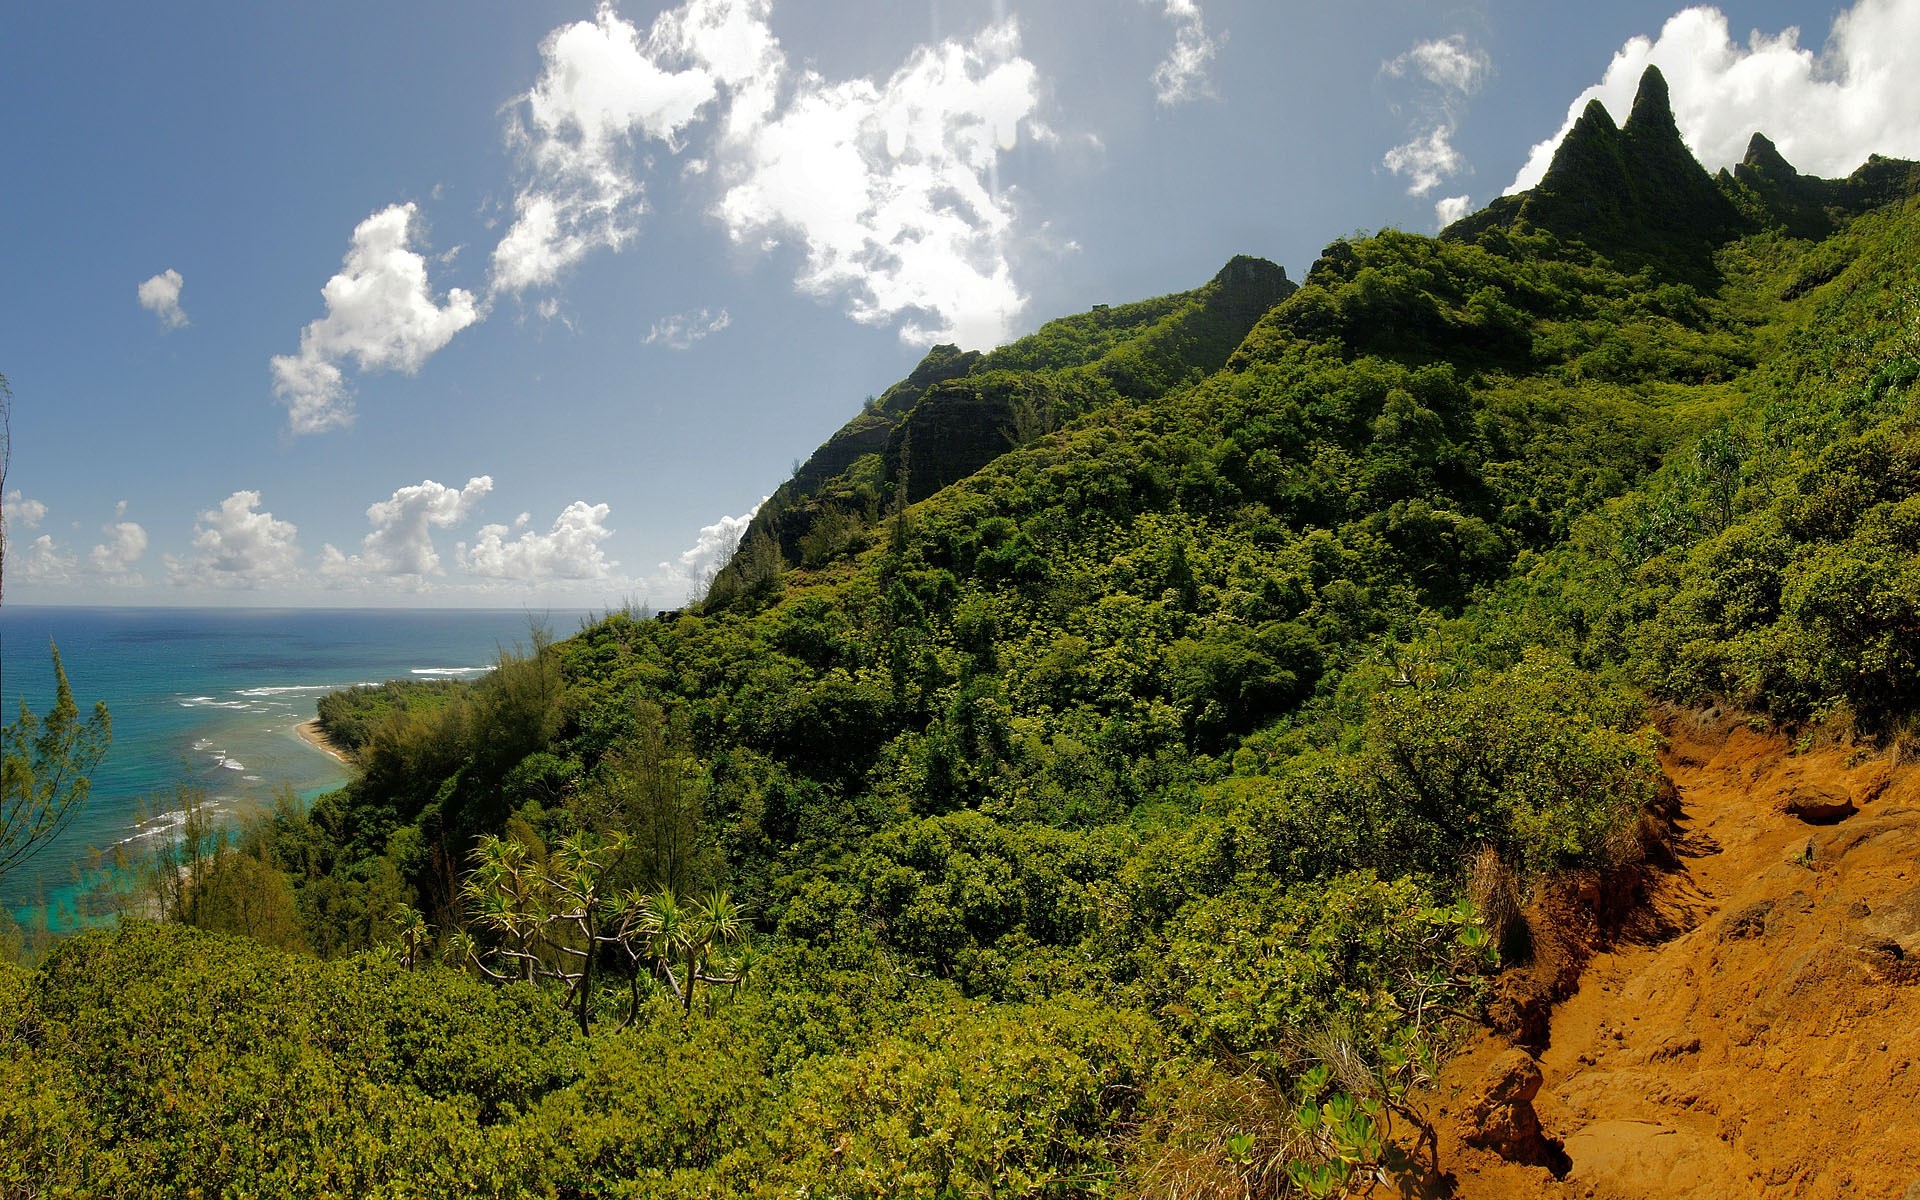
column 414, row 934
column 553, row 919
column 504, row 892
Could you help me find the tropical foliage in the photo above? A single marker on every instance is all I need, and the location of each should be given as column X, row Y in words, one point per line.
column 1082, row 777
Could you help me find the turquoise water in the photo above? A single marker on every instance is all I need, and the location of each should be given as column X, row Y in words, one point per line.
column 211, row 697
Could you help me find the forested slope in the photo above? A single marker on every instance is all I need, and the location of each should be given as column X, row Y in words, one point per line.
column 1114, row 762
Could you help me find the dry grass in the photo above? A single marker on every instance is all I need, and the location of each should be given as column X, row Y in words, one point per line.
column 1184, row 1153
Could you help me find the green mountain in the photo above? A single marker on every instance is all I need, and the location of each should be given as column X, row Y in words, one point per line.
column 957, row 411
column 1635, row 193
column 1123, row 754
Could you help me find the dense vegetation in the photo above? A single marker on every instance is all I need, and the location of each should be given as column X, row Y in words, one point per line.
column 1128, row 797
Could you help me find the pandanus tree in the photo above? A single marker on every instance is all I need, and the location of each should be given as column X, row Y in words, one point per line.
column 414, row 932
column 704, row 941
column 505, row 892
column 552, row 920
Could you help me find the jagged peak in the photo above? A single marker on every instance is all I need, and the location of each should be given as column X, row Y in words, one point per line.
column 1248, row 268
column 1765, row 157
column 1652, row 111
column 1593, row 140
column 1594, row 118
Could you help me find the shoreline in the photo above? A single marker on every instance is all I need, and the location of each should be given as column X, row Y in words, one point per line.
column 309, row 731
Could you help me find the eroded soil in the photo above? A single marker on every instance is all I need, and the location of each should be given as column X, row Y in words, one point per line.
column 1764, row 1039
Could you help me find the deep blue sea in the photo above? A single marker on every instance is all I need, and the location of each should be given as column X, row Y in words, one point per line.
column 210, row 697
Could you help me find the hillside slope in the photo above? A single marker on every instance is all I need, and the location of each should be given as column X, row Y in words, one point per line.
column 1113, row 766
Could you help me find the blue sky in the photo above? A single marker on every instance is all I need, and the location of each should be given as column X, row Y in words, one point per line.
column 500, row 304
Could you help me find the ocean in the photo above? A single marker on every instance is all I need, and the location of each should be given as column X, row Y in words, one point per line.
column 210, row 697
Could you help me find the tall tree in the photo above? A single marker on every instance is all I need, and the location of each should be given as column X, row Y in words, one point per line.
column 46, row 764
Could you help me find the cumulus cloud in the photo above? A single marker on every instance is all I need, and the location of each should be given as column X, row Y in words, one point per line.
column 1826, row 112
column 112, row 561
column 571, row 549
column 21, row 512
column 381, row 315
column 401, row 543
column 160, row 296
column 1450, row 70
column 887, row 188
column 1182, row 75
column 1449, row 209
column 45, row 563
column 1425, row 161
column 682, row 330
column 599, row 87
column 689, row 574
column 237, row 546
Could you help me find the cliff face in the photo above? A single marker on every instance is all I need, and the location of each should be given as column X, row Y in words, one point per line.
column 959, row 410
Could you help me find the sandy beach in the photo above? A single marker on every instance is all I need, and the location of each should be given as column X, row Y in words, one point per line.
column 311, row 733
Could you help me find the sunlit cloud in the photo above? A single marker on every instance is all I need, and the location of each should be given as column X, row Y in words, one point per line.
column 599, row 89
column 381, row 316
column 22, row 512
column 401, row 543
column 112, row 561
column 1427, row 161
column 1448, row 63
column 571, row 549
column 160, row 296
column 887, row 188
column 237, row 545
column 689, row 575
column 46, row 564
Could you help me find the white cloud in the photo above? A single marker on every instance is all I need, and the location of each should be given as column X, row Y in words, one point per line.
column 160, row 296
column 1449, row 209
column 890, row 190
column 21, row 512
column 688, row 575
column 113, row 560
column 237, row 546
column 887, row 188
column 381, row 314
column 682, row 330
column 571, row 549
column 1182, row 75
column 1448, row 63
column 1452, row 70
column 45, row 563
column 1825, row 112
column 402, row 539
column 1425, row 161
column 599, row 86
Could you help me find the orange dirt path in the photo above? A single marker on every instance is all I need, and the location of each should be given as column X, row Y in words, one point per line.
column 1773, row 1049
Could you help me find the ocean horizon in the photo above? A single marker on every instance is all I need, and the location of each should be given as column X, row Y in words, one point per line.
column 211, row 698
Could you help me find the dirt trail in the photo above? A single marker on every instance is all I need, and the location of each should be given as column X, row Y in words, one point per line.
column 1772, row 1049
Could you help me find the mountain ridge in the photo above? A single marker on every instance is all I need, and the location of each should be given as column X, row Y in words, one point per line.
column 1143, row 811
column 1636, row 193
column 962, row 407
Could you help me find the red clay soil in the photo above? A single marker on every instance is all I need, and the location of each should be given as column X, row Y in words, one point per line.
column 1757, row 1033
